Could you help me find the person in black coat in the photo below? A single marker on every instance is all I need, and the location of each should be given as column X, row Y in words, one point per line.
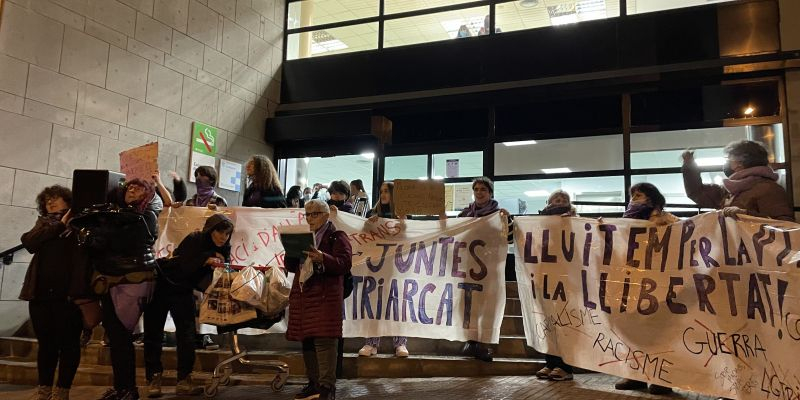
column 189, row 268
column 264, row 188
column 56, row 320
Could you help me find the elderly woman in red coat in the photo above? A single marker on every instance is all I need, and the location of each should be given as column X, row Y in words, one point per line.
column 315, row 305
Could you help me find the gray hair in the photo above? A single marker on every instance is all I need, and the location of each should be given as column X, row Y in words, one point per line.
column 317, row 205
column 747, row 152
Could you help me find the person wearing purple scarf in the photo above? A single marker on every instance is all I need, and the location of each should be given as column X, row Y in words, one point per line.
column 206, row 180
column 484, row 204
column 750, row 188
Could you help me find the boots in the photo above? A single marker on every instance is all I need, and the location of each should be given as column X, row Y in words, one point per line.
column 60, row 393
column 42, row 393
column 326, row 393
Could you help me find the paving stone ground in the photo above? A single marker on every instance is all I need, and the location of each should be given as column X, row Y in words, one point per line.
column 585, row 387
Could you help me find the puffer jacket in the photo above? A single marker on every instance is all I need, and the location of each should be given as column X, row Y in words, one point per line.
column 316, row 310
column 119, row 243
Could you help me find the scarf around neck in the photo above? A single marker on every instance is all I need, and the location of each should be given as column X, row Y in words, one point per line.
column 473, row 210
column 745, row 179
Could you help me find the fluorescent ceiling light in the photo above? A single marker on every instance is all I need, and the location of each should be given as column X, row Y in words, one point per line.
column 706, row 161
column 306, row 159
column 368, row 155
column 537, row 193
column 438, row 177
column 423, row 178
column 520, row 143
column 556, row 170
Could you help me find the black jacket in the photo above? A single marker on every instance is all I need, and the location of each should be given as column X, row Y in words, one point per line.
column 55, row 258
column 187, row 268
column 267, row 198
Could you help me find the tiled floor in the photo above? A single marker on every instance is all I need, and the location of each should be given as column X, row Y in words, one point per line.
column 585, row 386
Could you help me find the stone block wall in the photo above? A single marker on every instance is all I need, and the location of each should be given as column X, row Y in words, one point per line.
column 82, row 80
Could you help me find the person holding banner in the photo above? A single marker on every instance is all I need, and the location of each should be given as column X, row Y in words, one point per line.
column 484, row 204
column 646, row 203
column 264, row 188
column 384, row 208
column 555, row 368
column 189, row 268
column 750, row 188
column 316, row 300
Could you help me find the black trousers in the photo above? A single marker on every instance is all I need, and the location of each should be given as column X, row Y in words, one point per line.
column 123, row 356
column 557, row 362
column 58, row 325
column 182, row 307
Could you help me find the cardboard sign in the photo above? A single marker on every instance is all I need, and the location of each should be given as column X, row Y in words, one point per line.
column 139, row 162
column 418, row 197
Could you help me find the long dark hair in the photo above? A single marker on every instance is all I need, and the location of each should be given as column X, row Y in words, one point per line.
column 657, row 199
column 377, row 209
column 265, row 177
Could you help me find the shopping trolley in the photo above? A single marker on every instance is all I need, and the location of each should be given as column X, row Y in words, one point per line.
column 223, row 371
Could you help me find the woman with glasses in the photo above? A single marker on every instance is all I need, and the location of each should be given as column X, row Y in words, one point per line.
column 315, row 303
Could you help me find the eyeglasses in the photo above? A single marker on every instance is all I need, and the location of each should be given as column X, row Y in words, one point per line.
column 315, row 214
column 135, row 188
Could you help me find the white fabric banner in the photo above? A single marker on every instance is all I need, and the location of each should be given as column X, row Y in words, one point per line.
column 709, row 304
column 429, row 279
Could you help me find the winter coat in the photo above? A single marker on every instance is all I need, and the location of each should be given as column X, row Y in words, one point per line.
column 766, row 198
column 55, row 259
column 266, row 198
column 187, row 268
column 316, row 310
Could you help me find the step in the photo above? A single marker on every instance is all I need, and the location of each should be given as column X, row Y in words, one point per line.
column 512, row 325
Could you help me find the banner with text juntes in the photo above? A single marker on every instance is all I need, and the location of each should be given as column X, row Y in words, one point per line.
column 708, row 304
column 430, row 279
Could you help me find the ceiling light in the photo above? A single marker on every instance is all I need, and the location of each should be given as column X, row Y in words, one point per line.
column 306, row 159
column 369, row 156
column 423, row 178
column 556, row 170
column 537, row 193
column 520, row 143
column 749, row 111
column 529, row 3
column 438, row 177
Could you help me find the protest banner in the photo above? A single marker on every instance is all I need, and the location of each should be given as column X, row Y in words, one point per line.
column 418, row 197
column 431, row 279
column 708, row 304
column 139, row 162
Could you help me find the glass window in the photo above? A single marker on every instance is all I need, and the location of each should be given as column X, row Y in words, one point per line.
column 595, row 153
column 457, row 165
column 664, row 149
column 644, row 6
column 530, row 196
column 434, row 27
column 346, row 39
column 671, row 185
column 308, row 171
column 317, row 12
column 528, row 14
column 398, row 6
column 457, row 196
column 406, row 167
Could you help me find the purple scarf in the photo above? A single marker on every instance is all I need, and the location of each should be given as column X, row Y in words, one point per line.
column 638, row 211
column 473, row 210
column 204, row 193
column 320, row 233
column 745, row 179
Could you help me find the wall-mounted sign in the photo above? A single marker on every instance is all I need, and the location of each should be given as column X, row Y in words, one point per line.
column 230, row 175
column 204, row 147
